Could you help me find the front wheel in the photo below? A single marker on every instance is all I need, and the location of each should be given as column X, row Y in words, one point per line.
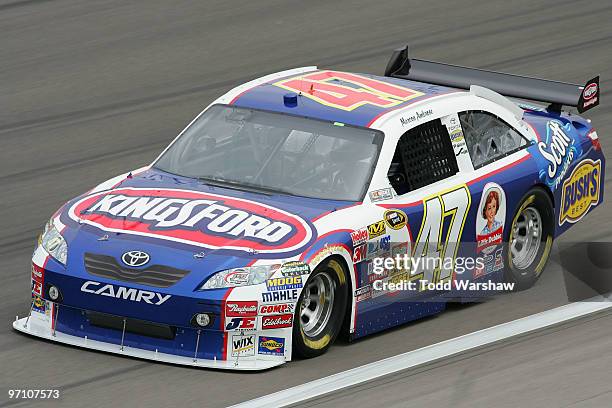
column 320, row 309
column 530, row 239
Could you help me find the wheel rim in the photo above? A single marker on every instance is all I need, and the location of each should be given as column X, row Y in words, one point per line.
column 317, row 304
column 526, row 237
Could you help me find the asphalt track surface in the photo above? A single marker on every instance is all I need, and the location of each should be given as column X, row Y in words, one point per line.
column 89, row 90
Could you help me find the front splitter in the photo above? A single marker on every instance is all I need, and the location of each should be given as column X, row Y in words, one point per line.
column 30, row 326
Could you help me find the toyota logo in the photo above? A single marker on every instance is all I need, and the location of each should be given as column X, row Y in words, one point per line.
column 135, row 258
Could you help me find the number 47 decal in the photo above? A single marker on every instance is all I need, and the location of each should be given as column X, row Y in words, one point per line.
column 434, row 254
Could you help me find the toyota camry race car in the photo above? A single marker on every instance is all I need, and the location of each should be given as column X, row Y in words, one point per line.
column 274, row 221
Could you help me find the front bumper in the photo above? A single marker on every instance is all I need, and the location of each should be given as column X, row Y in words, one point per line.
column 169, row 334
column 39, row 325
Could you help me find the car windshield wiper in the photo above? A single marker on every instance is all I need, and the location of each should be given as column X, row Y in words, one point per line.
column 236, row 185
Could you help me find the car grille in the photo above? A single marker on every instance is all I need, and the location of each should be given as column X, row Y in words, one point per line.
column 160, row 276
column 141, row 327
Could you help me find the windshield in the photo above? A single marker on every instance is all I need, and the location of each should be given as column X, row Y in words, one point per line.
column 275, row 152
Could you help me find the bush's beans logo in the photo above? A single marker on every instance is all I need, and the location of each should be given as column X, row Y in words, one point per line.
column 274, row 346
column 201, row 219
column 559, row 150
column 580, row 191
column 377, row 229
column 280, row 308
column 395, row 219
column 276, row 321
column 241, row 308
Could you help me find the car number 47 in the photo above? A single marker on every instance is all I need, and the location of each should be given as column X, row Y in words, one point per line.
column 434, row 252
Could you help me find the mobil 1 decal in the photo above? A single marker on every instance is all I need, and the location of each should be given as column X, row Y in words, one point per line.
column 490, row 229
column 196, row 218
column 560, row 150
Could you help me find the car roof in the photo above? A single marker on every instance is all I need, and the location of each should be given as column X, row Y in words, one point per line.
column 349, row 98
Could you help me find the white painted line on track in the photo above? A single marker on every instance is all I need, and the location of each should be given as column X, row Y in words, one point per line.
column 428, row 354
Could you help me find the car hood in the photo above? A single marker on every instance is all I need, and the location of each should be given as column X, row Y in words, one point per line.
column 186, row 225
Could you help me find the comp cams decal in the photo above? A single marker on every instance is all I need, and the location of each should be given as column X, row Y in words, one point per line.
column 580, row 191
column 347, row 91
column 202, row 219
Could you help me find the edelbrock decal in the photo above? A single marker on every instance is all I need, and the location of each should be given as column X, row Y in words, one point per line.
column 121, row 292
column 202, row 219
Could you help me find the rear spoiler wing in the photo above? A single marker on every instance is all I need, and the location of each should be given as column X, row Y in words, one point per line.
column 553, row 92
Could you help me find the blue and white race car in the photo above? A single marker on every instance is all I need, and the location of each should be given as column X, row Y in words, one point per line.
column 263, row 231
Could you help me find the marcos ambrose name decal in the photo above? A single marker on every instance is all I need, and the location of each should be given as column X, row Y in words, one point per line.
column 196, row 218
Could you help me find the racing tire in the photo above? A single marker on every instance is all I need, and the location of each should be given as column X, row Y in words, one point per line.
column 319, row 312
column 530, row 239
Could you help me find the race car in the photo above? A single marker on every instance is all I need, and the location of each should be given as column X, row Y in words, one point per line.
column 265, row 229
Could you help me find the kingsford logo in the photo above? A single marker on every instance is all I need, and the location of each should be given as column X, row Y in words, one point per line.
column 120, row 292
column 201, row 219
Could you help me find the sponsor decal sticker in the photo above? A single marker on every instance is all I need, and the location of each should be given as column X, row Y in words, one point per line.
column 280, row 308
column 363, row 293
column 380, row 195
column 240, row 323
column 280, row 296
column 295, row 268
column 288, row 282
column 195, row 218
column 580, row 191
column 381, row 245
column 121, row 292
column 241, row 308
column 359, row 254
column 39, row 304
column 559, row 150
column 377, row 229
column 238, row 277
column 359, row 237
column 395, row 219
column 273, row 346
column 38, row 278
column 243, row 345
column 277, row 321
column 490, row 229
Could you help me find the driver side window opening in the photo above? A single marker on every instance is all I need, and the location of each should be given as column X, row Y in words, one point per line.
column 423, row 156
column 488, row 137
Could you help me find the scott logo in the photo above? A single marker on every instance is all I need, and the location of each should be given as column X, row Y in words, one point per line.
column 559, row 150
column 580, row 191
column 201, row 219
column 120, row 292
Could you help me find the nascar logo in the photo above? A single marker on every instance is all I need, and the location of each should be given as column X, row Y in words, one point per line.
column 202, row 219
column 580, row 191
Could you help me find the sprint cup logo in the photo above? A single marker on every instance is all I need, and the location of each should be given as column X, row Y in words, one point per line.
column 580, row 191
column 195, row 218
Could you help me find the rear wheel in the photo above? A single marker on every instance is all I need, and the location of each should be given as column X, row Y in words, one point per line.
column 320, row 309
column 530, row 239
